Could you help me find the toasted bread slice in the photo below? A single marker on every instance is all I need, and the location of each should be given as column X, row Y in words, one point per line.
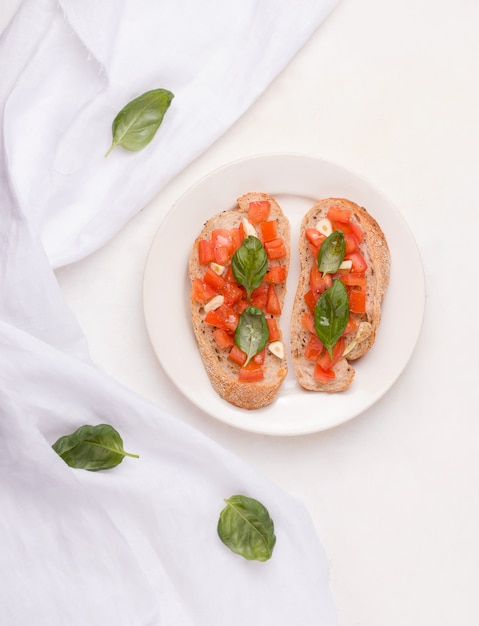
column 222, row 371
column 375, row 251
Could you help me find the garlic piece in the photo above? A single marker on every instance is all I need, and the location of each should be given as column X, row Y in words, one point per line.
column 277, row 348
column 214, row 303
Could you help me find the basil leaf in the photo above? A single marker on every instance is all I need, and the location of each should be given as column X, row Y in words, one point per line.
column 136, row 124
column 251, row 334
column 92, row 448
column 250, row 264
column 331, row 253
column 331, row 315
column 246, row 528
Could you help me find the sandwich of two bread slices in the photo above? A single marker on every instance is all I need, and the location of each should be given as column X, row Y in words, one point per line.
column 238, row 269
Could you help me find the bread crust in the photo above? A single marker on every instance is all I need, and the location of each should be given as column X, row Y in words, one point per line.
column 223, row 374
column 374, row 249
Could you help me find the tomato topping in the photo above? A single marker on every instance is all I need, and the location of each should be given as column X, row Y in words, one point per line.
column 353, row 279
column 275, row 249
column 251, row 374
column 268, row 230
column 357, row 231
column 258, row 211
column 237, row 236
column 232, row 292
column 237, row 355
column 351, row 326
column 351, row 242
column 359, row 263
column 273, row 306
column 223, row 317
column 338, row 214
column 213, row 280
column 323, row 376
column 222, row 338
column 223, row 246
column 317, row 282
column 201, row 292
column 276, row 274
column 313, row 348
column 307, row 322
column 310, row 299
column 274, row 331
column 314, row 236
column 205, row 252
column 259, row 296
column 326, row 362
column 357, row 300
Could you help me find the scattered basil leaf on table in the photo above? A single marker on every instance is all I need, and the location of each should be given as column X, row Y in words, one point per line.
column 331, row 315
column 92, row 448
column 136, row 124
column 331, row 253
column 251, row 334
column 246, row 528
column 250, row 264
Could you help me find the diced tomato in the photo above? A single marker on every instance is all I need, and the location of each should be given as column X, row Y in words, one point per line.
column 338, row 214
column 275, row 249
column 201, row 292
column 259, row 296
column 229, row 276
column 314, row 250
column 359, row 263
column 222, row 245
column 314, row 236
column 259, row 358
column 236, row 355
column 326, row 362
column 223, row 317
column 357, row 230
column 213, row 280
column 276, row 274
column 313, row 348
column 222, row 338
column 274, row 330
column 273, row 306
column 241, row 305
column 205, row 252
column 351, row 242
column 353, row 279
column 250, row 374
column 357, row 300
column 232, row 292
column 236, row 238
column 310, row 299
column 351, row 326
column 323, row 376
column 258, row 211
column 268, row 230
column 317, row 282
column 307, row 322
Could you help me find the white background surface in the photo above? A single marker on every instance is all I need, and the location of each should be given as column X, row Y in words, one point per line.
column 390, row 91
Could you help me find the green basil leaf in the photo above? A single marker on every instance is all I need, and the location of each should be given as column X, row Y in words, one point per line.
column 251, row 334
column 250, row 264
column 92, row 448
column 331, row 315
column 246, row 528
column 331, row 253
column 136, row 124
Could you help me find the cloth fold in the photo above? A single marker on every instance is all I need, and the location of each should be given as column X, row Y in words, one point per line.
column 137, row 545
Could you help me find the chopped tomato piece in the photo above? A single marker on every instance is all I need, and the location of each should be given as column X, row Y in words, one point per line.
column 323, row 376
column 314, row 236
column 314, row 250
column 357, row 230
column 357, row 300
column 268, row 230
column 310, row 299
column 351, row 326
column 222, row 338
column 251, row 374
column 237, row 355
column 326, row 362
column 237, row 237
column 359, row 262
column 313, row 348
column 259, row 211
column 274, row 330
column 213, row 280
column 338, row 214
column 223, row 317
column 201, row 292
column 307, row 322
column 205, row 252
column 351, row 242
column 231, row 292
column 353, row 279
column 276, row 274
column 317, row 282
column 259, row 296
column 273, row 306
column 222, row 245
column 275, row 249
column 241, row 305
column 258, row 358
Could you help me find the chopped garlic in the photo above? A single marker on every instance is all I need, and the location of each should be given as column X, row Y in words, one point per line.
column 249, row 229
column 277, row 348
column 346, row 265
column 363, row 333
column 217, row 268
column 324, row 226
column 214, row 303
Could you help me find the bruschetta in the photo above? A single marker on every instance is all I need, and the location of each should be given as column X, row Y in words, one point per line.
column 344, row 273
column 238, row 268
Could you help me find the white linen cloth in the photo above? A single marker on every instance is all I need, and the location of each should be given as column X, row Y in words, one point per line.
column 136, row 545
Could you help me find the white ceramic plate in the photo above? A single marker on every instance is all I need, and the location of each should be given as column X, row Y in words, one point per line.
column 296, row 182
